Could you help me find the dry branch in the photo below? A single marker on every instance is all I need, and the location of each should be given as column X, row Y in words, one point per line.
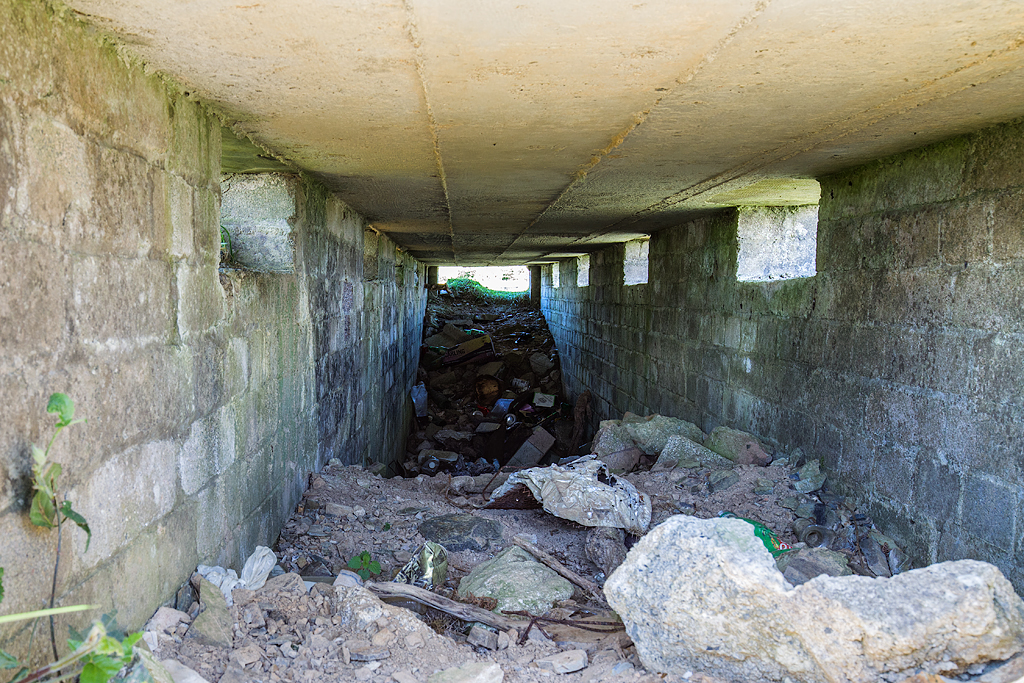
column 560, row 568
column 456, row 609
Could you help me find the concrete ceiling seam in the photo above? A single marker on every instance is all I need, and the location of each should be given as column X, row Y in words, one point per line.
column 414, row 40
column 837, row 130
column 638, row 120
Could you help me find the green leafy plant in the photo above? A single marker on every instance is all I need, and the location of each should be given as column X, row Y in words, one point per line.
column 47, row 510
column 101, row 653
column 362, row 564
column 104, row 650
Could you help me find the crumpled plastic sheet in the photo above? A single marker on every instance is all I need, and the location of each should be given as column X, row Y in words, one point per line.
column 584, row 491
column 254, row 573
column 427, row 569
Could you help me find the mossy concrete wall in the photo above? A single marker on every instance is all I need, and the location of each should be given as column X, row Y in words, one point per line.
column 210, row 396
column 899, row 363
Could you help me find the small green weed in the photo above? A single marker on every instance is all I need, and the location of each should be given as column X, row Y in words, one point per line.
column 362, row 564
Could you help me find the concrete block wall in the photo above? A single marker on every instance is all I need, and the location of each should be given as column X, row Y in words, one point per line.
column 367, row 301
column 209, row 396
column 898, row 363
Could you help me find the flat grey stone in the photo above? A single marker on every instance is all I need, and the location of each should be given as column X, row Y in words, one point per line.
column 720, row 480
column 800, row 566
column 213, row 625
column 811, row 478
column 564, row 662
column 457, row 532
column 472, row 672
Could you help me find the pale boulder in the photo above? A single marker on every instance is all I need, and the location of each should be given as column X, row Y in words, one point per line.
column 704, row 595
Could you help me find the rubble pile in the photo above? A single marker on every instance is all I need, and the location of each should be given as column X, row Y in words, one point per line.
column 511, row 548
column 489, row 393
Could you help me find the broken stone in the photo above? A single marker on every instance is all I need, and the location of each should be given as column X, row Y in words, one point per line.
column 213, row 625
column 540, row 363
column 564, row 662
column 686, row 568
column 243, row 656
column 482, row 637
column 166, row 620
column 623, row 461
column 764, row 487
column 740, row 447
column 652, row 433
column 1008, row 672
column 285, row 583
column 606, row 547
column 252, row 616
column 811, row 478
column 800, row 566
column 472, row 672
column 533, row 449
column 680, row 451
column 612, row 438
column 720, row 480
column 874, row 557
column 458, row 532
column 517, row 582
column 233, row 673
column 181, row 673
column 405, row 677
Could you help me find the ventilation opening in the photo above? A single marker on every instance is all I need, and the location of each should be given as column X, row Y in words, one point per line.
column 635, row 263
column 776, row 243
column 583, row 270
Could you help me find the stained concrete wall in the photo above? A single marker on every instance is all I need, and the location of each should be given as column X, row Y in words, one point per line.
column 209, row 396
column 899, row 363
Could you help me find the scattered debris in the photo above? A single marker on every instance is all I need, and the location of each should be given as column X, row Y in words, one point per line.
column 489, row 545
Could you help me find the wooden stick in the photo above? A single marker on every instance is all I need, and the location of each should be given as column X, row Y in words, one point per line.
column 560, row 568
column 456, row 609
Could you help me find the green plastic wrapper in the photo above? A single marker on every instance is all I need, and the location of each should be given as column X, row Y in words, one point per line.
column 427, row 569
column 767, row 536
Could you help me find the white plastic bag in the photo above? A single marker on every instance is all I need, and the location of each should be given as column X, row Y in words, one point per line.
column 585, row 492
column 254, row 573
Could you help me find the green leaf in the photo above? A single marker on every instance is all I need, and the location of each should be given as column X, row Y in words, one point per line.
column 78, row 519
column 363, row 574
column 354, row 563
column 22, row 673
column 42, row 512
column 374, row 567
column 92, row 673
column 7, row 661
column 39, row 457
column 387, row 526
column 63, row 406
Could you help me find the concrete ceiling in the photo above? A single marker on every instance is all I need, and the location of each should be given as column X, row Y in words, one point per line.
column 507, row 131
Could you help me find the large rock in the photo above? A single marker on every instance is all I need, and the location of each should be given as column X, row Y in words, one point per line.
column 705, row 595
column 653, row 432
column 517, row 582
column 740, row 447
column 611, row 438
column 681, row 451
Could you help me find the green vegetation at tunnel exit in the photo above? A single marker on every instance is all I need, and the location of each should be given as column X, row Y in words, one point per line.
column 464, row 288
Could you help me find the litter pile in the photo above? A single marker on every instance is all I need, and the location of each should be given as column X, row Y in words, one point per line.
column 496, row 556
column 489, row 393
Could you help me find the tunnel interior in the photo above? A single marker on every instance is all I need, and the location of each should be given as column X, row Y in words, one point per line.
column 229, row 323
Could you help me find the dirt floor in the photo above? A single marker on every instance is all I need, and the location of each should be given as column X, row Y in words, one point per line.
column 283, row 633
